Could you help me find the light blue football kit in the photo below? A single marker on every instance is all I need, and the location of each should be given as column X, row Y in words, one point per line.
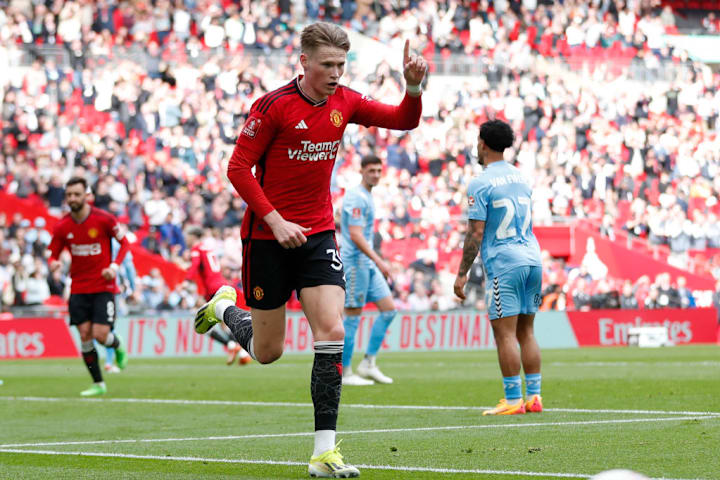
column 364, row 282
column 501, row 197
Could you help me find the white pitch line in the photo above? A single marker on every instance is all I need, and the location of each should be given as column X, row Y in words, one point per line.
column 293, row 463
column 360, row 432
column 344, row 405
column 701, row 363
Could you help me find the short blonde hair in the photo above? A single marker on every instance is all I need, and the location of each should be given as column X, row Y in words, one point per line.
column 323, row 34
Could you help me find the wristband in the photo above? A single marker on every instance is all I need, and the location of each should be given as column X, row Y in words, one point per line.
column 114, row 267
column 413, row 88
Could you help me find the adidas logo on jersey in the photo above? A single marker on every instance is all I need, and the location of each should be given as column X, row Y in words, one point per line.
column 301, row 126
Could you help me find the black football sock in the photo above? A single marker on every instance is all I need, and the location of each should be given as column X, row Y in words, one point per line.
column 326, row 383
column 240, row 324
column 90, row 356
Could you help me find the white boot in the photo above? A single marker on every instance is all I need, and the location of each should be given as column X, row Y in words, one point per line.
column 349, row 378
column 368, row 369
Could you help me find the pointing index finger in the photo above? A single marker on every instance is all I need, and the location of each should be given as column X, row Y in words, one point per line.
column 406, row 52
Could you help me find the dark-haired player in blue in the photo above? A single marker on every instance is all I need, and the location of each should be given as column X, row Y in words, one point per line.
column 500, row 225
column 365, row 273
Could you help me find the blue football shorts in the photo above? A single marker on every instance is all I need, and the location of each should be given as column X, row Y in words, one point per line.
column 364, row 284
column 514, row 292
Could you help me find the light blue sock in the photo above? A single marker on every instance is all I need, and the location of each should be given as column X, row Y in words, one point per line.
column 512, row 387
column 532, row 384
column 109, row 355
column 351, row 326
column 378, row 331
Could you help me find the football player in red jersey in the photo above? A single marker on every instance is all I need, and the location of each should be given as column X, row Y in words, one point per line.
column 87, row 232
column 205, row 265
column 291, row 137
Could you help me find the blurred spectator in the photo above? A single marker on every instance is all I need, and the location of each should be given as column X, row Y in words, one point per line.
column 604, row 297
column 153, row 289
column 652, row 301
column 37, row 288
column 668, row 296
column 686, row 298
column 628, row 299
column 419, row 300
column 171, row 237
column 580, row 296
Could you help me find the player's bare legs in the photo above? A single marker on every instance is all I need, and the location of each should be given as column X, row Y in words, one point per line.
column 385, row 304
column 507, row 345
column 268, row 327
column 530, row 354
column 99, row 332
column 529, row 349
column 323, row 306
column 504, row 330
column 86, row 331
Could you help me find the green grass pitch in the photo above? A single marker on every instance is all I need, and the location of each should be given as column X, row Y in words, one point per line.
column 656, row 411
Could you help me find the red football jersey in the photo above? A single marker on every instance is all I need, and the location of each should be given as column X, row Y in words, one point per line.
column 292, row 142
column 206, row 265
column 90, row 246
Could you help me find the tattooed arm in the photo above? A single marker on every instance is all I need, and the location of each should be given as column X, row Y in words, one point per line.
column 473, row 240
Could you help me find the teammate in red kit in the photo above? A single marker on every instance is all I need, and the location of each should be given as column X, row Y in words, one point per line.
column 206, row 266
column 291, row 138
column 87, row 232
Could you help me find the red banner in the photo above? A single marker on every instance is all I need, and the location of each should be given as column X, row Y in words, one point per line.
column 145, row 261
column 623, row 262
column 610, row 327
column 556, row 239
column 30, row 208
column 36, row 338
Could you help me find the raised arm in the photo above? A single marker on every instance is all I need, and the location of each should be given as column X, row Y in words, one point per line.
column 405, row 116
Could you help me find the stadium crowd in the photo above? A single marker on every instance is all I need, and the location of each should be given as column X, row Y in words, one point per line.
column 150, row 100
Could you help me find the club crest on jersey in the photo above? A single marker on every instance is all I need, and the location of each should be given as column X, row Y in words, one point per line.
column 251, row 127
column 336, row 118
column 258, row 293
column 92, row 233
column 356, row 213
column 471, row 200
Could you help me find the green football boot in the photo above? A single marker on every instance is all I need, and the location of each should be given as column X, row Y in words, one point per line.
column 95, row 390
column 205, row 318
